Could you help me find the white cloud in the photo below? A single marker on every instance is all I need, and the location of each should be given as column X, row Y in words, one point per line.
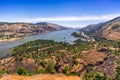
column 72, row 18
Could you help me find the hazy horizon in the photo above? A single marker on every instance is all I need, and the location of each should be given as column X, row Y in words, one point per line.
column 71, row 13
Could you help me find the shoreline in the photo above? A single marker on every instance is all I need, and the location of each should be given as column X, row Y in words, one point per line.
column 12, row 39
column 7, row 43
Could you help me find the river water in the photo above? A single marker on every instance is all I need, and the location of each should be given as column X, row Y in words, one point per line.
column 64, row 35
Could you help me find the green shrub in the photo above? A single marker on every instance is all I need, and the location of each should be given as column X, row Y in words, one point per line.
column 43, row 63
column 50, row 68
column 41, row 71
column 75, row 62
column 118, row 72
column 97, row 76
column 89, row 68
column 2, row 72
column 89, row 76
column 66, row 70
column 22, row 71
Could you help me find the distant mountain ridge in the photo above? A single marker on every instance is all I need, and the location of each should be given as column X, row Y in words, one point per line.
column 109, row 30
column 13, row 30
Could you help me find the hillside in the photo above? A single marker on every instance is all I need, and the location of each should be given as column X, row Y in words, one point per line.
column 109, row 30
column 89, row 60
column 16, row 30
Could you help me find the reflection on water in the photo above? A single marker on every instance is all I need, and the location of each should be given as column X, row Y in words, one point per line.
column 64, row 35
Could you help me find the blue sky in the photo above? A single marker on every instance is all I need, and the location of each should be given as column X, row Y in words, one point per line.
column 71, row 13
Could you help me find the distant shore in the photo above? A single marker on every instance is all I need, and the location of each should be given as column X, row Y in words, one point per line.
column 12, row 39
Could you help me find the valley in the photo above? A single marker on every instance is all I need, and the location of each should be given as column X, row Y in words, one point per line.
column 80, row 54
column 59, row 39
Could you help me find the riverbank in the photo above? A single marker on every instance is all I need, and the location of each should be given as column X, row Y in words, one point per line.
column 64, row 36
column 11, row 39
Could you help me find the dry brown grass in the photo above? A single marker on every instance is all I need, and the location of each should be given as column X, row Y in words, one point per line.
column 40, row 77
